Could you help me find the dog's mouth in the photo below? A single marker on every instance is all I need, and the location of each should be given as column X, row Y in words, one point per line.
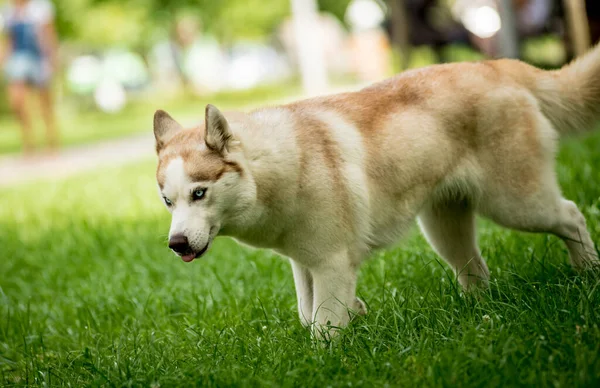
column 191, row 255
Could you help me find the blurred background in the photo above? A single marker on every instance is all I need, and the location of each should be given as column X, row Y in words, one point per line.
column 112, row 63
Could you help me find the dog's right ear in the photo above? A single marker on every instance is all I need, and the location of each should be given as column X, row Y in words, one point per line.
column 165, row 127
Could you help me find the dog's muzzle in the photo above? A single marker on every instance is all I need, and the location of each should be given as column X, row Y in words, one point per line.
column 181, row 246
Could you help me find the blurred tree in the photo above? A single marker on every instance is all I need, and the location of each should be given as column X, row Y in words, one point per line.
column 249, row 18
column 99, row 24
column 137, row 23
column 336, row 7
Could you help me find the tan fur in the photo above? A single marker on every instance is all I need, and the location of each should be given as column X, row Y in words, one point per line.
column 326, row 181
column 184, row 145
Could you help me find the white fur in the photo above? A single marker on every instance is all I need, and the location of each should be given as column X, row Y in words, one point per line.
column 192, row 219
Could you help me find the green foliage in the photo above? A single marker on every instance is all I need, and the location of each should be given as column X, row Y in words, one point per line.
column 251, row 18
column 134, row 23
column 335, row 7
column 90, row 296
column 99, row 24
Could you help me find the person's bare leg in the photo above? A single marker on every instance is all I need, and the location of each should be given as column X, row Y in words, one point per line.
column 47, row 105
column 17, row 93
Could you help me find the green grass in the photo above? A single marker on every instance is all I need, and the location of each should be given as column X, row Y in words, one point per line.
column 80, row 125
column 90, row 296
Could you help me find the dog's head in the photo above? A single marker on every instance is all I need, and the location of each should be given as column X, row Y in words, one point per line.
column 201, row 178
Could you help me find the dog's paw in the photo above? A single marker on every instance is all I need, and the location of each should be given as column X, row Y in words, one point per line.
column 359, row 307
column 324, row 333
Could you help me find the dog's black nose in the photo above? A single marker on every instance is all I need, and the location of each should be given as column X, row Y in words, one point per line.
column 179, row 243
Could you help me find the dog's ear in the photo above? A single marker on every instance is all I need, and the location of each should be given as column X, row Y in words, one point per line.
column 165, row 127
column 218, row 135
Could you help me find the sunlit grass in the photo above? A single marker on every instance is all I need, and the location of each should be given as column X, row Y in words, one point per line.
column 90, row 295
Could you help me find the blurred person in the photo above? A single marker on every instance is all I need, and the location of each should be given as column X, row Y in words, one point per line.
column 184, row 33
column 428, row 25
column 167, row 58
column 334, row 38
column 189, row 57
column 532, row 18
column 369, row 43
column 29, row 57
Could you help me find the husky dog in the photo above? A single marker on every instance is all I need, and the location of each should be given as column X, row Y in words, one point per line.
column 326, row 181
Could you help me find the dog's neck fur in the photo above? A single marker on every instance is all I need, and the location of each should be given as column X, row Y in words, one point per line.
column 267, row 140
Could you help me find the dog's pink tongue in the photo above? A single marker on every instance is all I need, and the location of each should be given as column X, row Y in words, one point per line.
column 188, row 258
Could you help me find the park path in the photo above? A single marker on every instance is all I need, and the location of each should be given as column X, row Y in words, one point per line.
column 15, row 169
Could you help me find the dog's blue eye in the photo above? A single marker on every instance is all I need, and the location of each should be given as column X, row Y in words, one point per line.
column 168, row 201
column 198, row 194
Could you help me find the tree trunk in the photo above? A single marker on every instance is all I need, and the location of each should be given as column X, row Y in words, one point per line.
column 399, row 28
column 579, row 29
column 508, row 38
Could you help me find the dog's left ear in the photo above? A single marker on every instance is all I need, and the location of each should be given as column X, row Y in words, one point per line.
column 164, row 128
column 218, row 135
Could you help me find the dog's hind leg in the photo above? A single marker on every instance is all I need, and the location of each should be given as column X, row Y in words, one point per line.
column 549, row 213
column 573, row 230
column 519, row 188
column 542, row 210
column 450, row 229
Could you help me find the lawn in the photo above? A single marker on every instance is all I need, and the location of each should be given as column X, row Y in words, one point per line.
column 90, row 295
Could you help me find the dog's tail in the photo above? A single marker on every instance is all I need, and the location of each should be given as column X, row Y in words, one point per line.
column 570, row 97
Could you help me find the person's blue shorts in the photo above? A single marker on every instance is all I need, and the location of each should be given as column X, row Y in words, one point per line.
column 27, row 68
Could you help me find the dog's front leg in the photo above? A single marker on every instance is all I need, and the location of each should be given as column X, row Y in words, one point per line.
column 334, row 286
column 304, row 292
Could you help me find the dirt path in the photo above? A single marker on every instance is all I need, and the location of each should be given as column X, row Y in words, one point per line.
column 17, row 169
